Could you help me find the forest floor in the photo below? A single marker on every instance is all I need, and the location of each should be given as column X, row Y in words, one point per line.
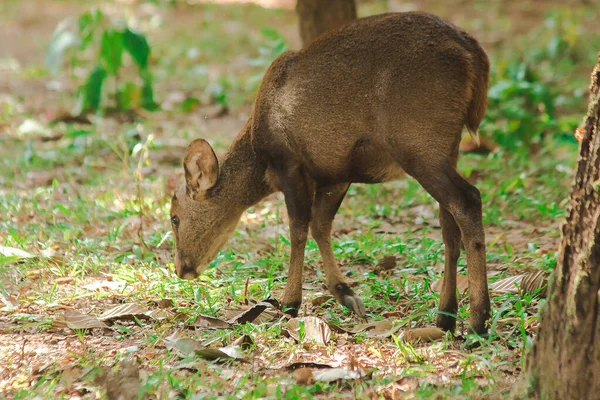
column 91, row 305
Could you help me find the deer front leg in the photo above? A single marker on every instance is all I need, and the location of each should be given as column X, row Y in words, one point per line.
column 298, row 191
column 327, row 201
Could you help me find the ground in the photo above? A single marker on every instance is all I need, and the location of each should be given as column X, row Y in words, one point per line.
column 89, row 206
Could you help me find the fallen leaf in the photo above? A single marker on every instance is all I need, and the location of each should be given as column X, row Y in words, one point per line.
column 579, row 134
column 296, row 365
column 507, row 285
column 123, row 384
column 182, row 346
column 14, row 252
column 251, row 314
column 336, row 374
column 387, row 263
column 127, row 311
column 187, row 347
column 527, row 283
column 222, row 353
column 320, row 300
column 424, row 334
column 76, row 320
column 309, row 329
column 375, row 325
column 165, row 303
column 393, row 314
column 208, row 322
column 303, row 376
column 535, row 281
column 244, row 341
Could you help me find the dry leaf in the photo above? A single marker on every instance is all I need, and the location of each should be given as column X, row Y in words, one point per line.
column 376, row 325
column 165, row 303
column 182, row 346
column 393, row 314
column 123, row 384
column 244, row 341
column 222, row 353
column 76, row 320
column 296, row 365
column 208, row 322
column 388, row 262
column 14, row 252
column 252, row 313
column 525, row 283
column 336, row 374
column 320, row 300
column 424, row 334
column 579, row 134
column 535, row 281
column 315, row 329
column 127, row 311
column 507, row 285
column 187, row 347
column 303, row 376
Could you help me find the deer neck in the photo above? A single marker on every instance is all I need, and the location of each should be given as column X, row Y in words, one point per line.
column 242, row 174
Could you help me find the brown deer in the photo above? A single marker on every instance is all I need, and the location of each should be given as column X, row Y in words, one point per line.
column 364, row 103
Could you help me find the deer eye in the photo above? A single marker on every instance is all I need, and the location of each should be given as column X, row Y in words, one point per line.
column 175, row 220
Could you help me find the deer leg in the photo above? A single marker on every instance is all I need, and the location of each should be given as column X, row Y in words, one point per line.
column 298, row 191
column 452, row 243
column 463, row 201
column 327, row 202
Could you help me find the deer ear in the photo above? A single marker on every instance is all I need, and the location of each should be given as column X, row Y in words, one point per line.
column 201, row 167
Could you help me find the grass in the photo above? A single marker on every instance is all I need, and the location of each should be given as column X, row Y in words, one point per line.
column 91, row 204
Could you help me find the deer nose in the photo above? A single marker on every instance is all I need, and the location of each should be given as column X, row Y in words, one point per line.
column 185, row 269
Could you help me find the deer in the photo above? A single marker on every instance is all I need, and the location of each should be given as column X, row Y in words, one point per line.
column 373, row 101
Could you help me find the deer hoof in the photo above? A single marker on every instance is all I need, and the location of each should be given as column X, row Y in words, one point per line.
column 446, row 322
column 355, row 304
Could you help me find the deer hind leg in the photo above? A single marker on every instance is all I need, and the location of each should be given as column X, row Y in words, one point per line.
column 463, row 202
column 327, row 202
column 446, row 319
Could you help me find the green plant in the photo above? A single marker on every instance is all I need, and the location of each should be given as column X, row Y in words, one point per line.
column 521, row 107
column 112, row 40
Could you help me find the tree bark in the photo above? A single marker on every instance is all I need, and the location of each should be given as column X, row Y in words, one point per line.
column 564, row 362
column 318, row 16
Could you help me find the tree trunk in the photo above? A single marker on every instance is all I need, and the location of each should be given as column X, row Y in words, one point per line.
column 318, row 16
column 564, row 362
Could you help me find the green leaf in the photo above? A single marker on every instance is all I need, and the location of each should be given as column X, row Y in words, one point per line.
column 148, row 92
column 87, row 25
column 92, row 90
column 111, row 50
column 137, row 46
column 129, row 96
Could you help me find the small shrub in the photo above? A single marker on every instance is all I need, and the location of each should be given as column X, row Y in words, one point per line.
column 111, row 41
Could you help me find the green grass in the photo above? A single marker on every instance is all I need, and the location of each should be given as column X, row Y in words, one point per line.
column 81, row 203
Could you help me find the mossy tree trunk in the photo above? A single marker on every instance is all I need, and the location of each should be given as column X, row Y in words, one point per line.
column 565, row 360
column 318, row 16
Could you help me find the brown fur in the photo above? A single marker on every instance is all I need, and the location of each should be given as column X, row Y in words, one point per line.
column 364, row 103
